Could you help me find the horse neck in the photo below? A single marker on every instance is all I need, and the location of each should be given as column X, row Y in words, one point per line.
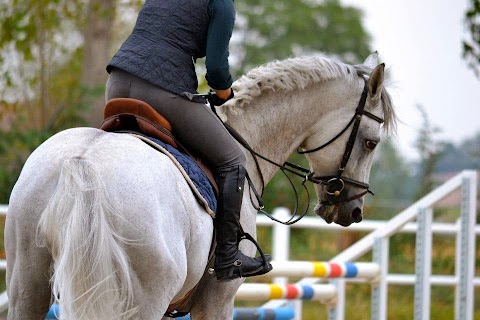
column 276, row 123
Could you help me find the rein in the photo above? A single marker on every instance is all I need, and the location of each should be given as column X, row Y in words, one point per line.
column 335, row 184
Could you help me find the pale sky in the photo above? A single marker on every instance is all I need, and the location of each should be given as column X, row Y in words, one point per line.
column 420, row 41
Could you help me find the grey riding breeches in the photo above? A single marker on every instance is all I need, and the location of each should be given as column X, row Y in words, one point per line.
column 194, row 124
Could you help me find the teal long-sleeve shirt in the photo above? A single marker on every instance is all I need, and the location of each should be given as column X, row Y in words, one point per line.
column 222, row 20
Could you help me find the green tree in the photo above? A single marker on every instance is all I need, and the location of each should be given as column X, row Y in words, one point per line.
column 40, row 38
column 32, row 43
column 15, row 147
column 471, row 45
column 270, row 29
column 97, row 35
column 465, row 155
column 430, row 150
column 391, row 179
column 30, row 53
column 42, row 62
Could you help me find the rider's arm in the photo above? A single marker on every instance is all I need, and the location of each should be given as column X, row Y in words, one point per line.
column 222, row 19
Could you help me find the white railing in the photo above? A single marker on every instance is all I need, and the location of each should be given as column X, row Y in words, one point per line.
column 377, row 242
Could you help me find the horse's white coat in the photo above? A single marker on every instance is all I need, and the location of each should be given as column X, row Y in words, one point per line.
column 119, row 216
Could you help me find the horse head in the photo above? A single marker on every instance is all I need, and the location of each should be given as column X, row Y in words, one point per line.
column 341, row 166
column 332, row 111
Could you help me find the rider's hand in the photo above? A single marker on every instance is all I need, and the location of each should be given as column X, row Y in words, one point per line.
column 220, row 97
column 224, row 94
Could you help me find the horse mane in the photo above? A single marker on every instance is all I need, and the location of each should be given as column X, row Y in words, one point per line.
column 299, row 73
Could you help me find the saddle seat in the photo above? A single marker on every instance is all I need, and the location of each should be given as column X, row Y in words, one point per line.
column 133, row 115
column 126, row 114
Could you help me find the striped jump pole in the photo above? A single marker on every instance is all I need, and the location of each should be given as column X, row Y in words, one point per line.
column 324, row 293
column 363, row 270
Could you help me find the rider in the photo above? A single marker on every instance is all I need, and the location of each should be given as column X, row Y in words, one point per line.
column 156, row 64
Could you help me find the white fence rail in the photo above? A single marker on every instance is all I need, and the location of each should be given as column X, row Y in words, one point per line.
column 377, row 242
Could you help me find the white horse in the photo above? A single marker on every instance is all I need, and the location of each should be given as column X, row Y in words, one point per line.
column 109, row 227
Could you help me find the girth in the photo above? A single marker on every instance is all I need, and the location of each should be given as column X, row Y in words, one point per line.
column 132, row 115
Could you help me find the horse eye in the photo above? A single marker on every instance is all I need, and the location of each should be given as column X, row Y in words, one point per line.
column 370, row 144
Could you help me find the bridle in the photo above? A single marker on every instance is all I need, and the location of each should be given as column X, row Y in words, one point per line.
column 334, row 184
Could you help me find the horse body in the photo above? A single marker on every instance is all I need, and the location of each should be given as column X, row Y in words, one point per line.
column 158, row 235
column 144, row 217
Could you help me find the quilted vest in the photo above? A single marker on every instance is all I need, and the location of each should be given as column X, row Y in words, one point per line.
column 168, row 36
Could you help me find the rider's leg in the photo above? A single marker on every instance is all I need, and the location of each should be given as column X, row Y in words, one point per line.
column 231, row 263
column 199, row 129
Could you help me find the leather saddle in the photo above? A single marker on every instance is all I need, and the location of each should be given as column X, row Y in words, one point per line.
column 132, row 115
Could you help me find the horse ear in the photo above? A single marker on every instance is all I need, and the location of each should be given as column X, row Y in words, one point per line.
column 372, row 60
column 375, row 82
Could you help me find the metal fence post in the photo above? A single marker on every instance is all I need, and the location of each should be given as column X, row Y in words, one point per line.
column 381, row 247
column 458, row 264
column 281, row 250
column 280, row 239
column 423, row 264
column 337, row 311
column 466, row 258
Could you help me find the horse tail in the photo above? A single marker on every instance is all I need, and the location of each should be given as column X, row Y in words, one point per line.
column 91, row 278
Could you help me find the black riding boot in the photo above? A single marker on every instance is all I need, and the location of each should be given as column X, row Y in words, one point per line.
column 231, row 263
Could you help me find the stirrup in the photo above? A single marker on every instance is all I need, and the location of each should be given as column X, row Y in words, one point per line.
column 266, row 258
column 234, row 270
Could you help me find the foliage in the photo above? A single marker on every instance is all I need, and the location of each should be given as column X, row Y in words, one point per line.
column 36, row 39
column 26, row 23
column 391, row 179
column 15, row 147
column 471, row 45
column 271, row 29
column 430, row 151
column 43, row 45
column 19, row 138
column 464, row 156
column 42, row 92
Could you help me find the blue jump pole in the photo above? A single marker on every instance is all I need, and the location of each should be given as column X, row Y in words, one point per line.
column 54, row 310
column 263, row 314
column 238, row 314
column 258, row 314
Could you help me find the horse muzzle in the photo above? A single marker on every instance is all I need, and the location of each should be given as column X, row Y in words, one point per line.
column 343, row 215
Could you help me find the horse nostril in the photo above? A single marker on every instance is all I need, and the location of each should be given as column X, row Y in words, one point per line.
column 357, row 215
